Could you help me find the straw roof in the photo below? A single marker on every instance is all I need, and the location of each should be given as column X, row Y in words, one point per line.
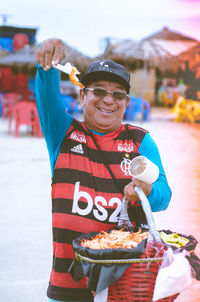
column 26, row 58
column 166, row 34
column 128, row 52
column 184, row 48
column 160, row 50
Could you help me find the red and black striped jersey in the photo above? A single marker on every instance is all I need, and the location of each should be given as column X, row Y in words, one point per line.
column 86, row 198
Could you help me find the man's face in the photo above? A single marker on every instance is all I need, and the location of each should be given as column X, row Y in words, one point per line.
column 103, row 114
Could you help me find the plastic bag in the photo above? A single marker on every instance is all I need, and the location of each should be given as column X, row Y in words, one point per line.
column 101, row 296
column 174, row 275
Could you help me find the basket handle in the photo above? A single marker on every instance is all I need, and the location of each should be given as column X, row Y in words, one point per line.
column 124, row 220
column 154, row 237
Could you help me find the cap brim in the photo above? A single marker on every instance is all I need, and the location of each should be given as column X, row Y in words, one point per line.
column 91, row 77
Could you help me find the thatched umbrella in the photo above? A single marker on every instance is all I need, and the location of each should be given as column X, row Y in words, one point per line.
column 148, row 52
column 26, row 58
column 20, row 58
column 167, row 34
column 143, row 55
column 160, row 50
column 175, row 43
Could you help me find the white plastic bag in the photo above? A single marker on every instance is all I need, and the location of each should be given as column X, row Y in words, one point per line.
column 101, row 296
column 174, row 275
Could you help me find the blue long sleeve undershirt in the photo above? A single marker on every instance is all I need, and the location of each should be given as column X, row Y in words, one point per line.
column 55, row 122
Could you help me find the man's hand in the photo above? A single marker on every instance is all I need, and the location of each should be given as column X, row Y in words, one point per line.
column 51, row 52
column 129, row 190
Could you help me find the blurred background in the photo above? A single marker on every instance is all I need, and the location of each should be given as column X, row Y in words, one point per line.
column 159, row 47
column 158, row 42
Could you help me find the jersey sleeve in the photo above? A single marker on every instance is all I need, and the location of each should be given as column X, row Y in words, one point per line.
column 54, row 120
column 160, row 195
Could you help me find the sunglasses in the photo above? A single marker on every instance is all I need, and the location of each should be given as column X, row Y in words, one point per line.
column 102, row 93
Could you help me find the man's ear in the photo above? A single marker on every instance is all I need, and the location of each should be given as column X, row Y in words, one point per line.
column 82, row 97
column 127, row 101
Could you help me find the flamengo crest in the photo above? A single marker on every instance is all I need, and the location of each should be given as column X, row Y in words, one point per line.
column 125, row 166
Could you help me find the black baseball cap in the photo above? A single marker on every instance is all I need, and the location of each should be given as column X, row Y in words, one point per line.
column 106, row 70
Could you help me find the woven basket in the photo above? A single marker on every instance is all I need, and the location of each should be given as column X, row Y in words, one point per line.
column 137, row 283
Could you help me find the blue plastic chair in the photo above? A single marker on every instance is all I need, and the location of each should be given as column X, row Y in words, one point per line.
column 147, row 108
column 135, row 106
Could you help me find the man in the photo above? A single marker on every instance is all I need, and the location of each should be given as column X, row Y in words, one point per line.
column 89, row 160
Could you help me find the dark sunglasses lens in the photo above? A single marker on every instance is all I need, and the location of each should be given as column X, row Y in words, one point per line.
column 99, row 92
column 117, row 95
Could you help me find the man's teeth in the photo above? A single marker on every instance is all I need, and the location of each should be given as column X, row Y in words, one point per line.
column 107, row 111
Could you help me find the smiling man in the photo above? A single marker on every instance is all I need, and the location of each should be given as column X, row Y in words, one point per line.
column 90, row 160
column 103, row 111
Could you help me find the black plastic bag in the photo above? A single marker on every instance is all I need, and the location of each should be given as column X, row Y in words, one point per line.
column 195, row 263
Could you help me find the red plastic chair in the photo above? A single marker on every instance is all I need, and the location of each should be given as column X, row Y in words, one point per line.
column 25, row 113
column 8, row 102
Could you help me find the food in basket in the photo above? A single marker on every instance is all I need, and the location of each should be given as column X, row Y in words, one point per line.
column 115, row 239
column 174, row 239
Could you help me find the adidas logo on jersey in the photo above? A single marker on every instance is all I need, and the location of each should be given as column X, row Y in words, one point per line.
column 77, row 149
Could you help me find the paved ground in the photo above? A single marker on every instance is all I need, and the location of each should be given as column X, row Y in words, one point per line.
column 25, row 207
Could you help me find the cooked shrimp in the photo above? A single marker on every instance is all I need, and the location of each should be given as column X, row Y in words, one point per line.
column 115, row 239
column 73, row 77
column 71, row 71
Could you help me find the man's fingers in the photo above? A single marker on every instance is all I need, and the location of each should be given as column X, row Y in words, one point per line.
column 48, row 56
column 143, row 185
column 59, row 53
column 50, row 52
column 40, row 55
column 137, row 182
column 129, row 190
